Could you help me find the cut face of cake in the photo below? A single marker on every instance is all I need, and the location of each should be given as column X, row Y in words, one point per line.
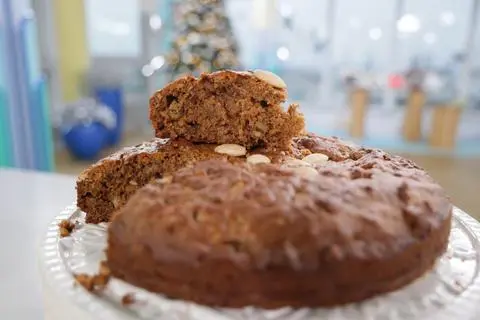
column 107, row 185
column 236, row 235
column 242, row 108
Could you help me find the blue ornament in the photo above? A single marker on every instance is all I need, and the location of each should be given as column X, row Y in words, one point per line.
column 86, row 140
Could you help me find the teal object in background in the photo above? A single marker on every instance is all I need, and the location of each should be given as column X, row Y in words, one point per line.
column 38, row 102
column 167, row 17
column 44, row 98
column 25, row 128
column 5, row 148
column 266, row 57
column 6, row 151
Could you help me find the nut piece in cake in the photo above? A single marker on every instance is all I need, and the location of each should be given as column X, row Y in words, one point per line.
column 227, row 107
column 128, row 299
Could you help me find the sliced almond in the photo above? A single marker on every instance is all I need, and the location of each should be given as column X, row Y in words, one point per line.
column 248, row 73
column 257, row 134
column 133, row 183
column 294, row 163
column 271, row 78
column 260, row 126
column 258, row 158
column 306, row 172
column 164, row 180
column 351, row 144
column 316, row 158
column 233, row 150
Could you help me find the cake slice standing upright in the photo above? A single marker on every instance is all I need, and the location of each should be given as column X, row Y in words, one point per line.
column 242, row 108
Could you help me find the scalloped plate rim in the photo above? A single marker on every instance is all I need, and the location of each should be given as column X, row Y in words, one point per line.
column 57, row 277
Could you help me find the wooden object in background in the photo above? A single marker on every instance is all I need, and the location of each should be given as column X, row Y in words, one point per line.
column 359, row 101
column 445, row 120
column 412, row 121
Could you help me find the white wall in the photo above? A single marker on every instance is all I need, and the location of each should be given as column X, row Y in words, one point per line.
column 113, row 28
column 356, row 21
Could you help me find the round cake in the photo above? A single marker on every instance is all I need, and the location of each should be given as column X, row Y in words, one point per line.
column 304, row 233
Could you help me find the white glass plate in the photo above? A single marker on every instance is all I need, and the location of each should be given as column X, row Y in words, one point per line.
column 450, row 291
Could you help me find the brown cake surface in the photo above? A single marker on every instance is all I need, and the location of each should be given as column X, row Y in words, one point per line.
column 107, row 185
column 358, row 225
column 226, row 107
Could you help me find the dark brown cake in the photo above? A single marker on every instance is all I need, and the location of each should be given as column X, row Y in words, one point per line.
column 107, row 185
column 274, row 236
column 227, row 107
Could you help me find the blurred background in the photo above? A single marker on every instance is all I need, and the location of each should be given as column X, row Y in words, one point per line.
column 403, row 75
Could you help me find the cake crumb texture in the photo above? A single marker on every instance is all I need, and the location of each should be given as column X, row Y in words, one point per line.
column 97, row 282
column 65, row 228
column 128, row 299
column 225, row 107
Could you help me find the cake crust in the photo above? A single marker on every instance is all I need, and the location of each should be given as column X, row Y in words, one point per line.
column 107, row 185
column 238, row 235
column 225, row 107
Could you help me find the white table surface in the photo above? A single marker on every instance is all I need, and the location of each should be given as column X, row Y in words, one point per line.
column 28, row 203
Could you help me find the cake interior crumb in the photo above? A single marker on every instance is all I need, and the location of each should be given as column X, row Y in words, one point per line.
column 96, row 282
column 66, row 228
column 128, row 299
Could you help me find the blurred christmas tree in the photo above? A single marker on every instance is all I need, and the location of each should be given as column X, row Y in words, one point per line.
column 203, row 41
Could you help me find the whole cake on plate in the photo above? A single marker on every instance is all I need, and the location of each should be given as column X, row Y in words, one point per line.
column 237, row 235
column 234, row 205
